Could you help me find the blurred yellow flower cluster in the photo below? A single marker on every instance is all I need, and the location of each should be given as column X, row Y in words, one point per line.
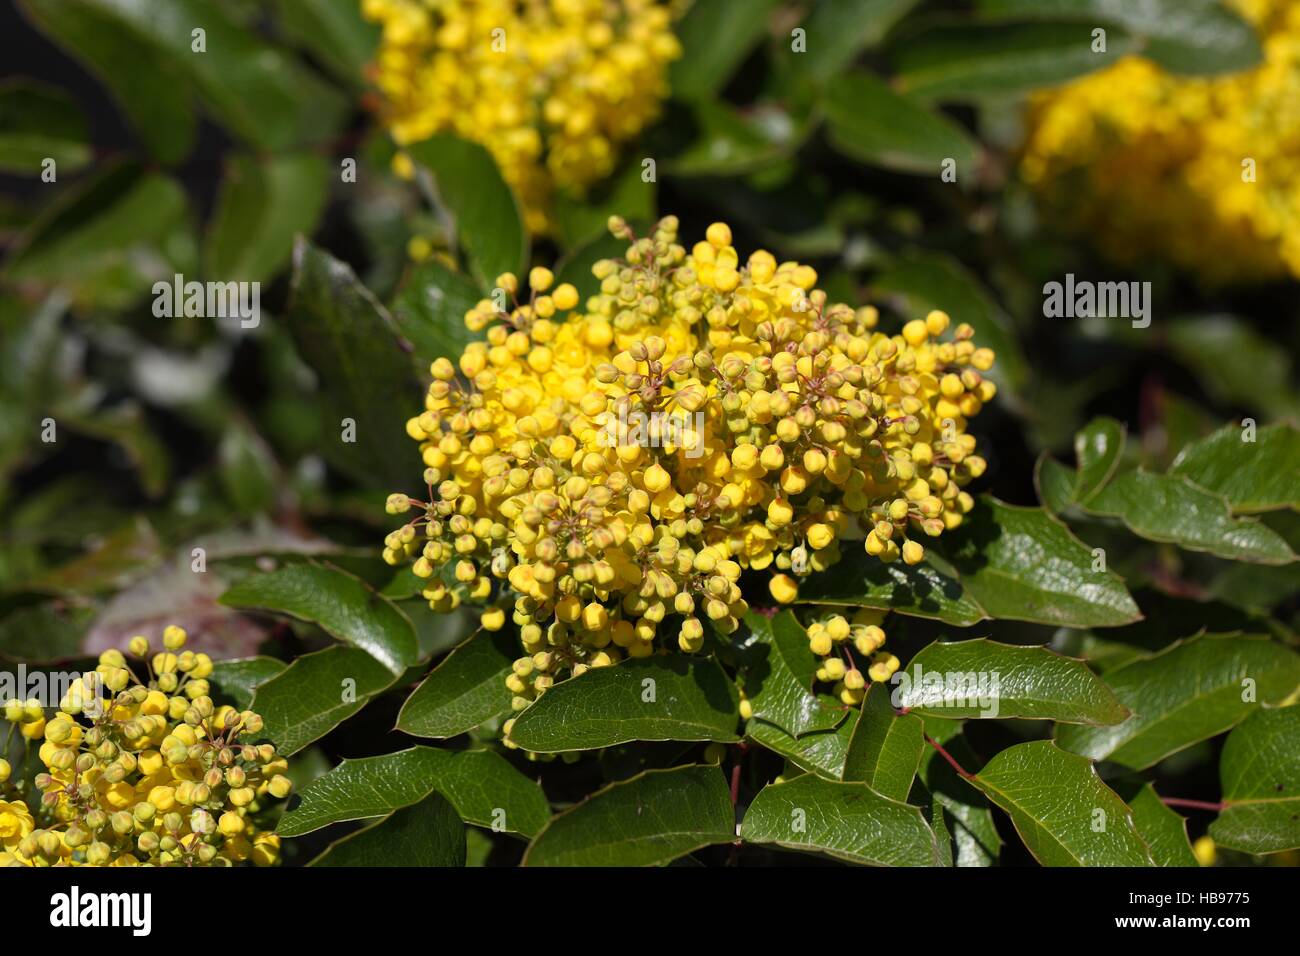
column 143, row 773
column 603, row 473
column 552, row 88
column 1199, row 171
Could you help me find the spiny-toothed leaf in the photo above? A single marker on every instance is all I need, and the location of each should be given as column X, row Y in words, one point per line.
column 467, row 688
column 428, row 833
column 849, row 821
column 649, row 820
column 1189, row 692
column 1259, row 475
column 671, row 697
column 1164, row 831
column 1260, row 774
column 982, row 678
column 343, row 605
column 863, row 580
column 885, row 749
column 821, row 752
column 1063, row 812
column 778, row 673
column 239, row 679
column 481, row 784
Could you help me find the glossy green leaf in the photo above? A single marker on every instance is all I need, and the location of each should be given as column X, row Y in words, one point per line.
column 430, row 311
column 970, row 62
column 869, row 122
column 1253, row 476
column 316, row 693
column 351, row 342
column 820, row 752
column 428, row 833
column 885, row 749
column 344, row 605
column 39, row 122
column 1260, row 773
column 1191, row 691
column 240, row 677
column 467, row 688
column 1163, row 830
column 156, row 94
column 849, row 821
column 1063, row 812
column 649, row 820
column 107, row 239
column 778, row 672
column 1098, row 448
column 922, row 590
column 928, row 280
column 1186, row 36
column 1021, row 564
column 467, row 183
column 715, row 37
column 982, row 678
column 671, row 697
column 1055, row 483
column 1173, row 510
column 837, row 30
column 481, row 784
column 263, row 204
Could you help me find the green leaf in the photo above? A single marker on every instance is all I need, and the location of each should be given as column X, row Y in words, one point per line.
column 39, row 122
column 777, row 673
column 259, row 93
column 1253, row 476
column 247, row 468
column 869, row 122
column 837, row 30
column 428, row 833
column 1189, row 692
column 1021, row 564
column 468, row 184
column 335, row 32
column 849, row 821
column 716, row 37
column 919, row 590
column 1260, row 773
column 1097, row 450
column 239, row 678
column 929, row 280
column 1236, row 364
column 820, row 752
column 581, row 219
column 967, row 814
column 344, row 605
column 671, row 697
column 350, row 341
column 108, row 239
column 483, row 787
column 1163, row 830
column 1063, row 812
column 732, row 143
column 155, row 93
column 649, row 820
column 1055, row 483
column 885, row 749
column 263, row 204
column 973, row 61
column 1185, row 36
column 982, row 678
column 467, row 688
column 1171, row 509
column 430, row 311
column 316, row 693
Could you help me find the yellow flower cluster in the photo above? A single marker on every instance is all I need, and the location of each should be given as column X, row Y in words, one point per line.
column 608, row 471
column 866, row 636
column 143, row 773
column 1199, row 171
column 552, row 88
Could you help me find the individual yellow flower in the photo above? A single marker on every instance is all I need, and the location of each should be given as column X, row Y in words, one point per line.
column 553, row 89
column 15, row 823
column 609, row 473
column 1200, row 171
